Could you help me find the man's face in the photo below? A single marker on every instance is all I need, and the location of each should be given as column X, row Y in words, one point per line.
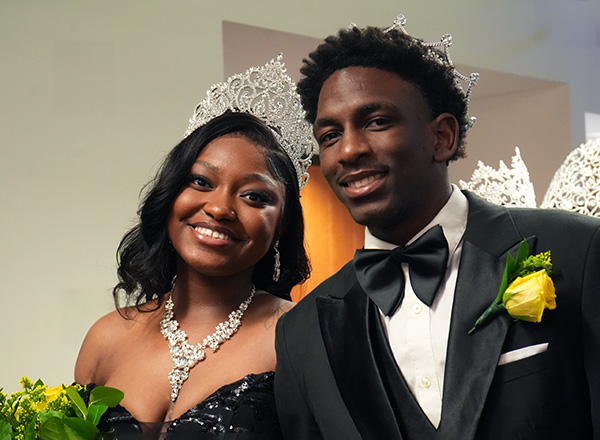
column 377, row 144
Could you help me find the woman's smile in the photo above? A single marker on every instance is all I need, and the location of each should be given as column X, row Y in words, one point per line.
column 226, row 217
column 213, row 235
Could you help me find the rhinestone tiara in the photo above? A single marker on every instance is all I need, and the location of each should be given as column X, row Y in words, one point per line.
column 270, row 95
column 443, row 58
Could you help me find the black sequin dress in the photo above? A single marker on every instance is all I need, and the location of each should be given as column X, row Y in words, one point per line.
column 243, row 410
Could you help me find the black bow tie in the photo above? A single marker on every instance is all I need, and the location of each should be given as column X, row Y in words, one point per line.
column 379, row 272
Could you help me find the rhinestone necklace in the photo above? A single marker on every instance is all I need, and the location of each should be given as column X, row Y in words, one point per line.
column 185, row 356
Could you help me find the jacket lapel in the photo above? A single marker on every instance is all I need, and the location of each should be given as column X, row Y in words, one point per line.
column 346, row 325
column 472, row 359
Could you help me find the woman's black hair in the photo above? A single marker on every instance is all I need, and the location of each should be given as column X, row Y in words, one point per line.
column 147, row 260
column 392, row 51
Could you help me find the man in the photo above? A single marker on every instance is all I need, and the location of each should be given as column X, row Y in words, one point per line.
column 370, row 354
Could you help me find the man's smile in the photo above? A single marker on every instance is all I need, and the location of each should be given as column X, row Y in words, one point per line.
column 364, row 181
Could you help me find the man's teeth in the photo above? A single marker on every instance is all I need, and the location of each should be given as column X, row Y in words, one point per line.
column 213, row 234
column 363, row 182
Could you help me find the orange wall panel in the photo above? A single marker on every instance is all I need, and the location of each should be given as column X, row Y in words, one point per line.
column 331, row 234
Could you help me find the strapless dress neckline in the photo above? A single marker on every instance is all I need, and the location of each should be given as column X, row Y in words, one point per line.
column 242, row 410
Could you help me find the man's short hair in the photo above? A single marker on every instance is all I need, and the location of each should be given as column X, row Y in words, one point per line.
column 392, row 51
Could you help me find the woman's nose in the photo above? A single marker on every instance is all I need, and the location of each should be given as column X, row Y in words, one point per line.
column 219, row 207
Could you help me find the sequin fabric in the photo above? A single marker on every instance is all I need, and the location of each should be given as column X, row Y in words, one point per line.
column 242, row 410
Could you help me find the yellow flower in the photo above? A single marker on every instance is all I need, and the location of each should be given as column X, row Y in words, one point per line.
column 527, row 297
column 50, row 394
column 26, row 383
column 53, row 392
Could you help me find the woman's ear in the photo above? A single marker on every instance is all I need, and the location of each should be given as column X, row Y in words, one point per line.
column 445, row 130
column 283, row 224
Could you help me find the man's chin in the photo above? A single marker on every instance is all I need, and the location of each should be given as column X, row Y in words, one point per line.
column 368, row 217
column 375, row 216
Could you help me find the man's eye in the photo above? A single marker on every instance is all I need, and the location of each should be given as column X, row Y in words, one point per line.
column 378, row 122
column 328, row 138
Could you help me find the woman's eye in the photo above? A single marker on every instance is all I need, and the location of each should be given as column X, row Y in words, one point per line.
column 199, row 181
column 257, row 197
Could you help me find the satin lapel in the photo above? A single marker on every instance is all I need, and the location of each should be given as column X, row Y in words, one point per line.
column 472, row 359
column 345, row 325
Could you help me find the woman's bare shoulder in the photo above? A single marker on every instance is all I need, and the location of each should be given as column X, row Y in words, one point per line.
column 269, row 308
column 112, row 324
column 106, row 336
column 282, row 306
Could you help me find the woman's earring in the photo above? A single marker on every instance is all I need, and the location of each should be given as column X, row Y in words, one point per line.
column 277, row 271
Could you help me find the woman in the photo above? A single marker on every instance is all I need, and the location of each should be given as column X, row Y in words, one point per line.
column 220, row 233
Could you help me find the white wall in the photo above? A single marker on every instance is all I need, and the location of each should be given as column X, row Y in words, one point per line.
column 93, row 94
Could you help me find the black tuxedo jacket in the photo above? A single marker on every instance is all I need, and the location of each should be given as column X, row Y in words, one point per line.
column 336, row 377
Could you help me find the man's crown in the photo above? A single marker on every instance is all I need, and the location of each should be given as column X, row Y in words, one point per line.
column 443, row 58
column 269, row 94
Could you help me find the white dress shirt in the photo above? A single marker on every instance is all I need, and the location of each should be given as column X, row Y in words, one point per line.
column 418, row 334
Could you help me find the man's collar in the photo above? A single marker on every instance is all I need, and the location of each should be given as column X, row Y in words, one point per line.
column 452, row 218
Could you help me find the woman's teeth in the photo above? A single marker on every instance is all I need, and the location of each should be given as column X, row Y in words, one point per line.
column 213, row 234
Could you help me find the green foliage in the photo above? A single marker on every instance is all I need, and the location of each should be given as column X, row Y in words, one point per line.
column 522, row 266
column 41, row 413
column 5, row 429
column 535, row 263
column 110, row 397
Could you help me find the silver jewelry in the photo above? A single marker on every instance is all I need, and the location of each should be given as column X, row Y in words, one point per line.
column 270, row 95
column 442, row 58
column 185, row 356
column 277, row 271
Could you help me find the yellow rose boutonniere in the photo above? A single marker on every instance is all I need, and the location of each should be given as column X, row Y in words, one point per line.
column 527, row 297
column 526, row 289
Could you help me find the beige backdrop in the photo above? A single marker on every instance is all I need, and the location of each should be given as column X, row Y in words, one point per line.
column 93, row 94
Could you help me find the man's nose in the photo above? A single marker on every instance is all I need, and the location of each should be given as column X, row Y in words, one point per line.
column 354, row 146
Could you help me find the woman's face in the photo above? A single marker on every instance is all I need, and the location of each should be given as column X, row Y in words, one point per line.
column 226, row 217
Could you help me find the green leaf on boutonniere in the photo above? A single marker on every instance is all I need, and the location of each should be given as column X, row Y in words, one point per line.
column 526, row 288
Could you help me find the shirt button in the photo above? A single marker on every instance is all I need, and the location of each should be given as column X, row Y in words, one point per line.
column 426, row 382
column 417, row 309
